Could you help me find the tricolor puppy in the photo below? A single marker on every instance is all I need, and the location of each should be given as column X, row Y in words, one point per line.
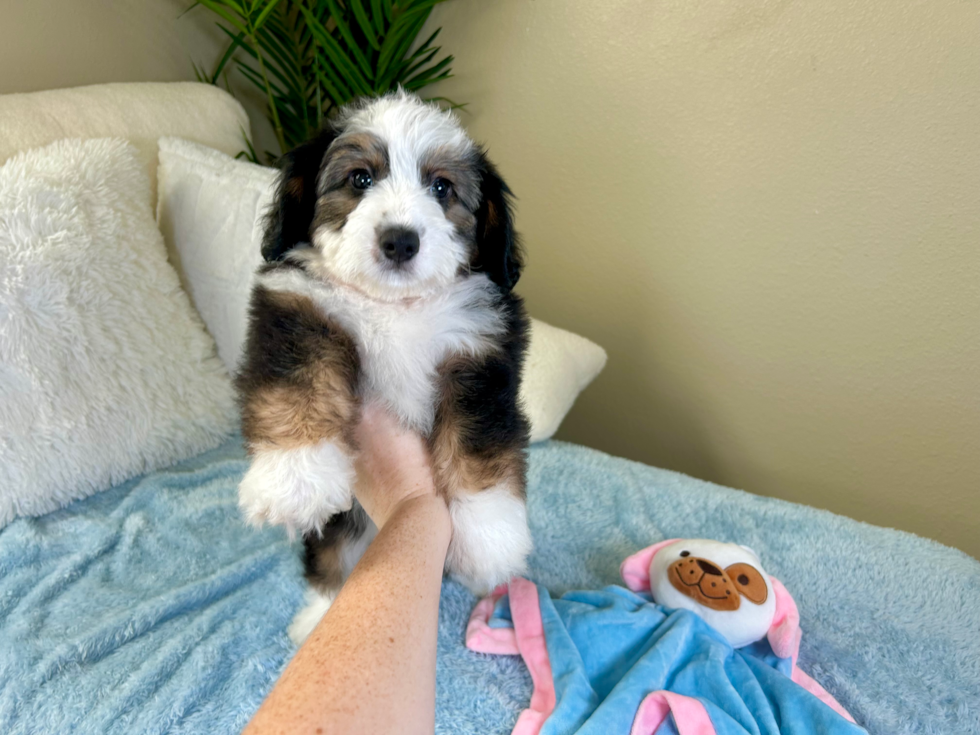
column 390, row 259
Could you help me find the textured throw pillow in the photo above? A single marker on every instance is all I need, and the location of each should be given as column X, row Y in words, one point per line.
column 211, row 210
column 105, row 370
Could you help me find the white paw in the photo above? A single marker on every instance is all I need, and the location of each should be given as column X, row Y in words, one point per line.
column 490, row 540
column 297, row 488
column 317, row 604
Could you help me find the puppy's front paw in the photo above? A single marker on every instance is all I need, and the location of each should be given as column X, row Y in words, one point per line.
column 490, row 540
column 298, row 488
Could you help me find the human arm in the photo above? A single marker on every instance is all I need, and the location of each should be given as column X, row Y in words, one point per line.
column 369, row 666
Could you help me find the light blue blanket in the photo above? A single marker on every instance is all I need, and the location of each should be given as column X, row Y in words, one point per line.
column 609, row 659
column 151, row 608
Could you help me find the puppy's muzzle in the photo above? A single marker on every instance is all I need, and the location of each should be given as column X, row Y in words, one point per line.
column 399, row 244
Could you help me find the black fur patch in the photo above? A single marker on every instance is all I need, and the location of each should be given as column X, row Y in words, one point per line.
column 482, row 396
column 294, row 202
column 321, row 552
column 498, row 248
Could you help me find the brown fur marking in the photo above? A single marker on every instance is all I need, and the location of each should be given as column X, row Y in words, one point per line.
column 316, row 400
column 459, row 468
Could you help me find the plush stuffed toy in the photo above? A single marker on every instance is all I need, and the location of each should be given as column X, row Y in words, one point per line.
column 723, row 583
column 703, row 641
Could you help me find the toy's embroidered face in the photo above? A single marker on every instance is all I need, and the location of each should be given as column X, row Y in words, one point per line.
column 710, row 578
column 714, row 587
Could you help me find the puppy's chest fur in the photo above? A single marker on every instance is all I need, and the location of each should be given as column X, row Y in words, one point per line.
column 401, row 346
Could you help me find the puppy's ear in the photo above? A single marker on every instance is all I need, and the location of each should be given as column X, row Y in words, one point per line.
column 291, row 214
column 499, row 252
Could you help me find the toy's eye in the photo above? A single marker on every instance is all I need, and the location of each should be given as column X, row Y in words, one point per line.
column 441, row 188
column 361, row 179
column 685, row 553
column 743, row 579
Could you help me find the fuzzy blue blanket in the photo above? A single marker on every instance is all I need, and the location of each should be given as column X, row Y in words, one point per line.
column 150, row 608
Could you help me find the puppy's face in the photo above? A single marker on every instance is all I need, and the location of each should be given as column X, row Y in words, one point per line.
column 397, row 203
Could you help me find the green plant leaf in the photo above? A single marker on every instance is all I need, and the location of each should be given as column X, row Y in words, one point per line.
column 269, row 7
column 345, row 32
column 233, row 45
column 452, row 105
column 425, row 46
column 200, row 73
column 189, row 9
column 397, row 42
column 410, row 70
column 310, row 57
column 247, row 48
column 365, row 23
column 336, row 55
column 250, row 154
column 379, row 16
column 219, row 9
column 429, row 73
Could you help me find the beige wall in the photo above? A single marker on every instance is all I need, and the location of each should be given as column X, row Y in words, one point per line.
column 47, row 44
column 769, row 214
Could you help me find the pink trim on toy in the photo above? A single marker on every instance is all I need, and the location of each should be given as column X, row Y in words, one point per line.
column 784, row 639
column 525, row 610
column 784, row 633
column 480, row 637
column 690, row 716
column 635, row 569
column 811, row 685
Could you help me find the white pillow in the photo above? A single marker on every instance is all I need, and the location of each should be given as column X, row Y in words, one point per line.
column 211, row 211
column 105, row 370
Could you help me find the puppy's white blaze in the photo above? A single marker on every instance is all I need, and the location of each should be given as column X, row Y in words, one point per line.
column 415, row 128
column 490, row 540
column 410, row 130
column 317, row 604
column 297, row 488
column 401, row 345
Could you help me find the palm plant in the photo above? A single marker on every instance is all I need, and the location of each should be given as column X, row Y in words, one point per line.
column 309, row 57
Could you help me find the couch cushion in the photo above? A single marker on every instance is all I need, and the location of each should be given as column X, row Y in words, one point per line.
column 139, row 112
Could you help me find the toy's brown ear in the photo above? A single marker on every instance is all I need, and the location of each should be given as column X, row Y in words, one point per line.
column 291, row 214
column 749, row 581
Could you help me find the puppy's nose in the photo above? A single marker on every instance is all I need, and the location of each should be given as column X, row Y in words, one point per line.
column 708, row 568
column 399, row 244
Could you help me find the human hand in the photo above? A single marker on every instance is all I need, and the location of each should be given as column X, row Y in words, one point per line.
column 393, row 465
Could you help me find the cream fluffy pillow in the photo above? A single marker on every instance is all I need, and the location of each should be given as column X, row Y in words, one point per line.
column 211, row 210
column 105, row 370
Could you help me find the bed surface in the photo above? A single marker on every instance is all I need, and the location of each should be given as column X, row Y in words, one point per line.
column 151, row 608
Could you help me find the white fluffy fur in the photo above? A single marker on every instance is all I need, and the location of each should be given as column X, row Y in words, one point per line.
column 105, row 369
column 402, row 344
column 491, row 539
column 317, row 604
column 411, row 129
column 297, row 488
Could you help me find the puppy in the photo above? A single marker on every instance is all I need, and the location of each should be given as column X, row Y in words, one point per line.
column 390, row 262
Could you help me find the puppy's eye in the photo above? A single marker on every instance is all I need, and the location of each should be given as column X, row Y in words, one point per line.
column 361, row 179
column 441, row 188
column 685, row 553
